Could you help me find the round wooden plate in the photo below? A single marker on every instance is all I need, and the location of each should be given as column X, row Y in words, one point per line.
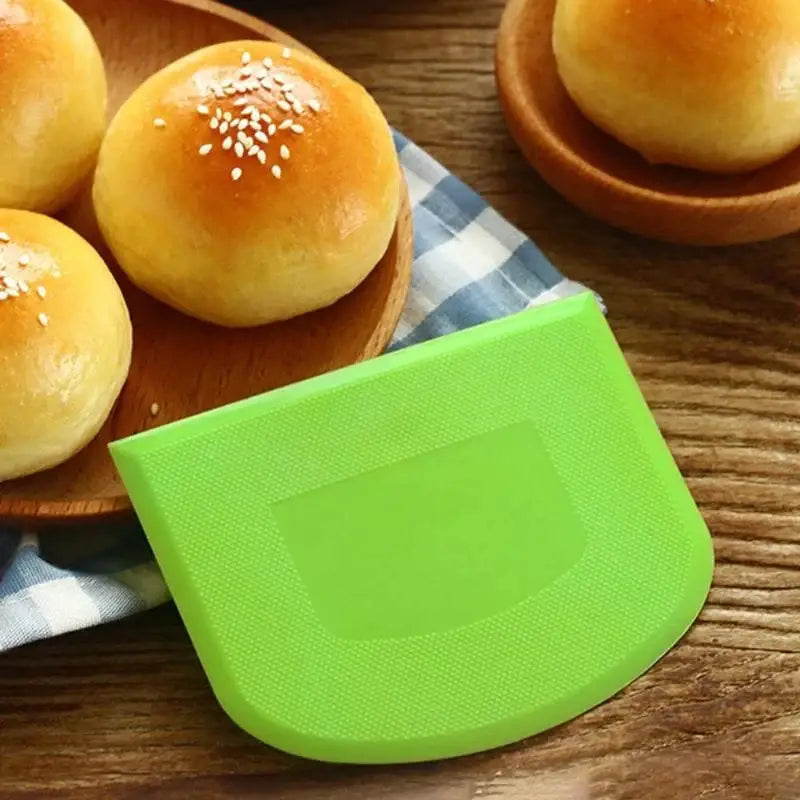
column 183, row 365
column 613, row 183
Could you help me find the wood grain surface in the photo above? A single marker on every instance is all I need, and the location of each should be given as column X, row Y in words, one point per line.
column 136, row 38
column 123, row 711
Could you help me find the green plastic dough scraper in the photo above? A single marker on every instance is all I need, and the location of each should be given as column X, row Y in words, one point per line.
column 442, row 550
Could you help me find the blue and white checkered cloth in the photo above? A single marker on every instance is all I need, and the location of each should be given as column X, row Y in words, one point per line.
column 470, row 266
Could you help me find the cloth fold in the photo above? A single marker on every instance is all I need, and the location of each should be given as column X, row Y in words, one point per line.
column 470, row 266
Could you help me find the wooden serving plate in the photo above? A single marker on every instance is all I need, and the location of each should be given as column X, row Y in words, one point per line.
column 183, row 365
column 613, row 183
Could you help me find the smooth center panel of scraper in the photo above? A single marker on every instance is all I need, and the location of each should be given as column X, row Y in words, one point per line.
column 415, row 552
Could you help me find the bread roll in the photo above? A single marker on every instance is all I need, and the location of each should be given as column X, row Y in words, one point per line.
column 708, row 84
column 52, row 103
column 65, row 343
column 248, row 183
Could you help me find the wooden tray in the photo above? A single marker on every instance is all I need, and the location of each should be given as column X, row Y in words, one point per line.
column 183, row 365
column 613, row 183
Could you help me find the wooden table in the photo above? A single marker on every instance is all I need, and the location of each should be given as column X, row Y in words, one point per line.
column 712, row 335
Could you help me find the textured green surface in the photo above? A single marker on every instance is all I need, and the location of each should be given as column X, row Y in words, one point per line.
column 435, row 552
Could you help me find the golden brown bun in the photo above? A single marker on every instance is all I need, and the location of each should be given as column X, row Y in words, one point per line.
column 708, row 84
column 257, row 249
column 52, row 103
column 63, row 356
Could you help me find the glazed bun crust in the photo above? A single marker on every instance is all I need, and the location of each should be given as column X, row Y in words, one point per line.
column 65, row 343
column 259, row 248
column 53, row 101
column 708, row 85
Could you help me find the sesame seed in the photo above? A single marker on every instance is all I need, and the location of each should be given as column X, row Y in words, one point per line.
column 235, row 122
column 254, row 150
column 42, row 292
column 287, row 123
column 13, row 292
column 297, row 128
column 213, row 124
column 227, row 143
column 227, row 82
column 256, row 126
column 23, row 287
column 219, row 94
column 276, row 171
column 314, row 105
column 272, row 128
column 261, row 137
column 287, row 90
column 205, row 149
column 245, row 72
column 240, row 86
column 287, row 53
column 297, row 107
column 284, row 152
column 243, row 123
column 158, row 122
column 245, row 58
column 259, row 72
column 201, row 109
column 266, row 118
column 223, row 128
column 236, row 173
column 253, row 83
column 267, row 62
column 238, row 148
column 43, row 319
column 10, row 282
column 254, row 115
column 3, row 295
column 24, row 260
column 248, row 141
column 240, row 101
column 267, row 83
column 4, row 237
column 283, row 105
column 248, row 110
column 227, row 116
column 218, row 113
column 229, row 90
column 262, row 156
column 241, row 137
column 154, row 409
column 278, row 78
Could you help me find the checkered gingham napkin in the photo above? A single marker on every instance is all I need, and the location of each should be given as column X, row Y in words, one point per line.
column 470, row 266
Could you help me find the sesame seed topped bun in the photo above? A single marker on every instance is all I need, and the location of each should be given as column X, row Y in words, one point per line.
column 52, row 103
column 247, row 183
column 65, row 343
